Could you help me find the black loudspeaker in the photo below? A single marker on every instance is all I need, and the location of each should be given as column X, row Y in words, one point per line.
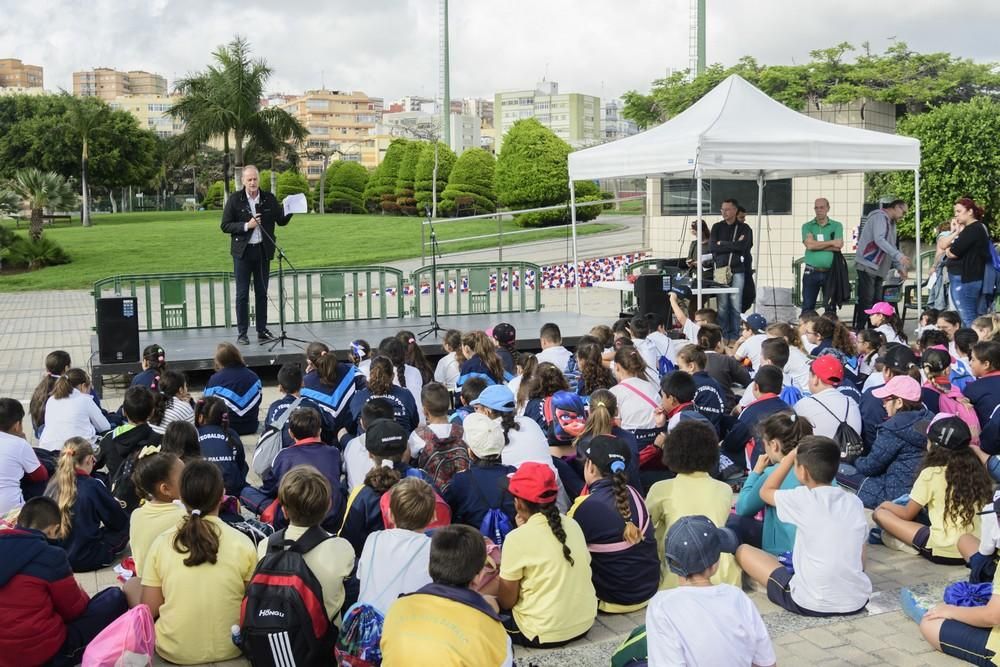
column 651, row 295
column 118, row 330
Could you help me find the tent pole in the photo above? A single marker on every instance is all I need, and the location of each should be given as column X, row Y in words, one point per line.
column 916, row 205
column 700, row 238
column 757, row 239
column 576, row 266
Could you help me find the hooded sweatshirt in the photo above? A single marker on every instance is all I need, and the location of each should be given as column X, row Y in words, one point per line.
column 894, row 460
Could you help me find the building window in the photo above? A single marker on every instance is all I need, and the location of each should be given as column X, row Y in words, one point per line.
column 314, row 170
column 318, row 105
column 679, row 196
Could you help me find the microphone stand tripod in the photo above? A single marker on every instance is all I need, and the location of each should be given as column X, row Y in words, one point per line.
column 283, row 336
column 434, row 328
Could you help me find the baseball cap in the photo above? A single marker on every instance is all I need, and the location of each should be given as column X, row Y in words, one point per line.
column 694, row 544
column 828, row 369
column 900, row 386
column 497, row 397
column 898, row 357
column 608, row 453
column 386, row 438
column 483, row 435
column 881, row 308
column 504, row 333
column 946, row 430
column 534, row 482
column 756, row 322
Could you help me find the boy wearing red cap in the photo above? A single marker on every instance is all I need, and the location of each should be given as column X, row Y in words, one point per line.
column 825, row 407
column 545, row 577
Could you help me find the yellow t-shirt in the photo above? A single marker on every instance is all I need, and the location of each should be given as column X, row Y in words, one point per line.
column 331, row 562
column 148, row 522
column 687, row 495
column 557, row 601
column 201, row 604
column 931, row 491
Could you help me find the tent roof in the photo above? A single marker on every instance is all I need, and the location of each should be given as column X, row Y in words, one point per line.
column 736, row 131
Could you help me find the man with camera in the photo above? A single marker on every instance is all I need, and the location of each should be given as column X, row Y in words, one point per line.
column 730, row 242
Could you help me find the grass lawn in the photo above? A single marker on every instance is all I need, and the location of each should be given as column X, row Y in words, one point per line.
column 177, row 241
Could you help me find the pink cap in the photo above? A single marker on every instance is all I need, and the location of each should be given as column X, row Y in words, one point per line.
column 881, row 308
column 900, row 386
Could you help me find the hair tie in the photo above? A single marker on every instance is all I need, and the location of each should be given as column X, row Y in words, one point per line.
column 148, row 450
column 791, row 417
column 617, row 466
column 195, row 512
column 323, row 353
column 359, row 351
column 412, row 341
column 599, row 404
column 387, row 463
column 69, row 452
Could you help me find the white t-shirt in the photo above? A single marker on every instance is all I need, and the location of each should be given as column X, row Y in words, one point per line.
column 357, row 462
column 557, row 355
column 831, row 531
column 706, row 625
column 690, row 330
column 515, row 386
column 665, row 345
column 447, row 371
column 393, row 562
column 798, row 368
column 65, row 418
column 16, row 460
column 989, row 531
column 634, row 410
column 651, row 355
column 890, row 334
column 750, row 349
column 825, row 420
column 416, row 443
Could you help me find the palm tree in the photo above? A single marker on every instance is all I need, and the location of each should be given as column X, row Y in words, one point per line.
column 41, row 190
column 224, row 100
column 84, row 114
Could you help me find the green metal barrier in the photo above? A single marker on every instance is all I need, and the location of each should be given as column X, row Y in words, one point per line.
column 469, row 289
column 205, row 299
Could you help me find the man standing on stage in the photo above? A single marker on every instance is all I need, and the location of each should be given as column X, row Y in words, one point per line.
column 249, row 218
column 730, row 242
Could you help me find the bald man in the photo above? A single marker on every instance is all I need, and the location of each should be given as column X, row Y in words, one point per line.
column 821, row 236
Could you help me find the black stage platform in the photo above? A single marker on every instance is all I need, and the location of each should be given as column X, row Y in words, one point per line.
column 193, row 349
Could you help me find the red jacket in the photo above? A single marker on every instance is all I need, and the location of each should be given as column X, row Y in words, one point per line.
column 38, row 596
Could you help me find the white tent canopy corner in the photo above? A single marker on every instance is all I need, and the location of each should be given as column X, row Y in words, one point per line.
column 737, row 131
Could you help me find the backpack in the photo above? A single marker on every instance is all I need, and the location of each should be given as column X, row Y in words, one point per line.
column 129, row 640
column 572, row 373
column 269, row 442
column 790, row 394
column 496, row 524
column 441, row 458
column 633, row 652
column 282, row 619
column 954, row 403
column 122, row 486
column 442, row 511
column 851, row 444
column 664, row 365
column 565, row 417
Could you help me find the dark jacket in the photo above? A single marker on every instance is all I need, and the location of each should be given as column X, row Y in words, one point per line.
column 240, row 389
column 323, row 457
column 146, row 378
column 225, row 449
column 709, row 398
column 838, row 281
column 972, row 247
column 237, row 213
column 894, row 460
column 122, row 442
column 328, row 430
column 873, row 415
column 730, row 245
column 475, row 367
column 97, row 517
column 38, row 597
column 475, row 491
column 363, row 515
column 334, row 399
column 404, row 408
column 744, row 429
column 984, row 394
column 726, row 371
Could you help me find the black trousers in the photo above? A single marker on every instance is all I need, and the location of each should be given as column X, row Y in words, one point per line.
column 254, row 265
column 868, row 289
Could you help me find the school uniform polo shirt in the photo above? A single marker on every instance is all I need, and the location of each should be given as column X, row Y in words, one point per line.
column 984, row 393
column 931, row 491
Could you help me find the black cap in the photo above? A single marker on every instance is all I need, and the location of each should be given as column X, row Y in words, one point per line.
column 946, row 430
column 607, row 452
column 386, row 438
column 898, row 357
column 505, row 333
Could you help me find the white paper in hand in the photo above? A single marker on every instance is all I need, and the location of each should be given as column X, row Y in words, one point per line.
column 296, row 204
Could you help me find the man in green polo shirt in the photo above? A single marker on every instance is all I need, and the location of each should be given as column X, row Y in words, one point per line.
column 821, row 236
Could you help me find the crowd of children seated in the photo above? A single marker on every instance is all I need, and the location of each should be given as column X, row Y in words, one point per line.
column 506, row 498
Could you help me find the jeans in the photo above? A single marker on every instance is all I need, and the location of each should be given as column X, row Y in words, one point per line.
column 102, row 609
column 869, row 287
column 254, row 264
column 968, row 298
column 938, row 296
column 730, row 307
column 813, row 282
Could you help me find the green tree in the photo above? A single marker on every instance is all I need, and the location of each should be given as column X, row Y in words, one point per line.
column 214, row 196
column 264, row 182
column 346, row 187
column 42, row 191
column 532, row 172
column 384, row 189
column 405, row 200
column 960, row 156
column 292, row 183
column 225, row 99
column 422, row 179
column 471, row 177
column 85, row 114
column 371, row 194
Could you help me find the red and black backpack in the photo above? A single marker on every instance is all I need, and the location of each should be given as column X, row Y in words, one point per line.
column 442, row 458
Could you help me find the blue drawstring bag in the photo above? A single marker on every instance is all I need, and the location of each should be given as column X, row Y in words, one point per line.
column 964, row 594
column 786, row 560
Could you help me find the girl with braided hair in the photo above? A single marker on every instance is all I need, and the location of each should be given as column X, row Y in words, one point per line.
column 545, row 577
column 615, row 522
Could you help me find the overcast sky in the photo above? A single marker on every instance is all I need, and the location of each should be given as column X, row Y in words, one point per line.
column 389, row 48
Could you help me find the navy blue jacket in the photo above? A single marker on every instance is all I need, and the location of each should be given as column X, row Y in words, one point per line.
column 726, row 372
column 892, row 464
column 146, row 378
column 475, row 367
column 335, row 399
column 328, row 431
column 984, row 394
column 873, row 415
column 364, row 515
column 323, row 457
column 475, row 491
column 240, row 388
column 404, row 408
column 745, row 427
column 96, row 514
column 709, row 398
column 631, row 469
column 225, row 449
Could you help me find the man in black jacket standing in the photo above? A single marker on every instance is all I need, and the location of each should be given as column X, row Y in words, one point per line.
column 730, row 242
column 249, row 218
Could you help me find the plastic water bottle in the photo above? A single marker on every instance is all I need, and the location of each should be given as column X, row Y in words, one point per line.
column 236, row 635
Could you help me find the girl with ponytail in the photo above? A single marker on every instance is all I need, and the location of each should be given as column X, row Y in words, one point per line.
column 481, row 359
column 414, row 356
column 380, row 385
column 780, row 433
column 404, row 375
column 220, row 444
column 603, row 420
column 637, row 397
column 449, row 366
column 615, row 522
column 545, row 577
column 205, row 566
column 57, row 362
column 331, row 384
column 71, row 411
column 154, row 365
column 94, row 527
column 593, row 374
column 173, row 403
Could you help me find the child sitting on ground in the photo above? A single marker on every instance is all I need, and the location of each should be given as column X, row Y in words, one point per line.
column 394, row 561
column 470, row 391
column 122, row 442
column 701, row 622
column 437, row 446
column 221, row 445
column 357, row 462
column 94, row 527
column 780, row 434
column 17, row 459
column 172, row 402
column 691, row 451
column 47, row 618
column 157, row 479
column 479, row 489
column 181, row 438
column 447, row 618
column 952, row 486
column 290, row 381
column 831, row 528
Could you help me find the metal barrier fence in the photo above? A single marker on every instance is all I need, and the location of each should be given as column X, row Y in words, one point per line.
column 478, row 287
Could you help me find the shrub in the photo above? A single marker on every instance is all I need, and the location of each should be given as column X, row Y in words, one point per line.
column 472, row 176
column 264, row 183
column 346, row 187
column 214, row 196
column 425, row 172
column 532, row 171
column 291, row 183
column 35, row 253
column 383, row 183
column 404, row 179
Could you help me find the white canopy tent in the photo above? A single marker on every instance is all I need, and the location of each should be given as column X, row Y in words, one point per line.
column 736, row 131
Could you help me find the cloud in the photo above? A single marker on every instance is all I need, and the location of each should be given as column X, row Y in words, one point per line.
column 389, row 48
